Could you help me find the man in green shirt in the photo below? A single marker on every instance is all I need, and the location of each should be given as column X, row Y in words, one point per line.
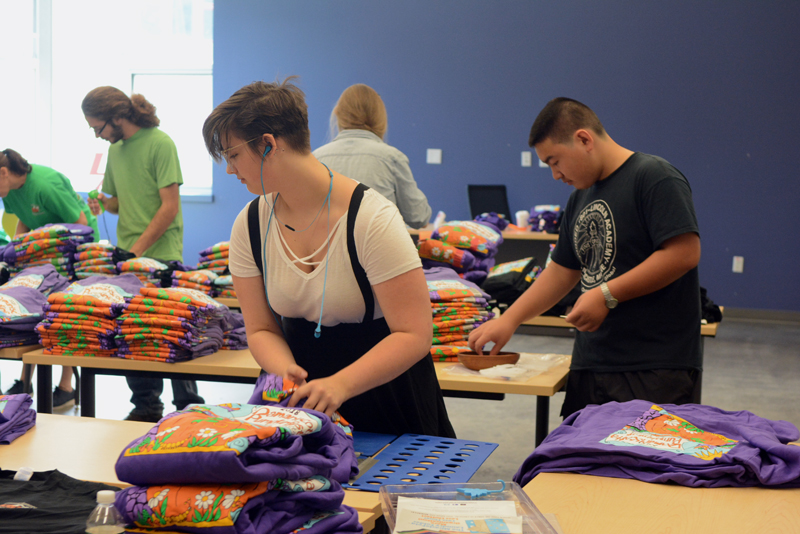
column 141, row 185
column 39, row 195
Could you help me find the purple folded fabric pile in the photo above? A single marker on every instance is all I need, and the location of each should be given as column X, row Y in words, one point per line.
column 545, row 218
column 223, row 287
column 458, row 306
column 215, row 258
column 22, row 303
column 690, row 444
column 80, row 320
column 170, row 325
column 201, row 280
column 93, row 259
column 239, row 468
column 52, row 244
column 234, row 336
column 16, row 416
column 480, row 237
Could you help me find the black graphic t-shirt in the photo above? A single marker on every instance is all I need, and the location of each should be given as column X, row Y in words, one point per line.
column 50, row 502
column 607, row 230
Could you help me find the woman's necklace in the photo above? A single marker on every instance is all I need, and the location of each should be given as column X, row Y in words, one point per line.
column 330, row 188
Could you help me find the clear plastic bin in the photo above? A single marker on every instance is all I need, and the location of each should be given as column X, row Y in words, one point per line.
column 533, row 521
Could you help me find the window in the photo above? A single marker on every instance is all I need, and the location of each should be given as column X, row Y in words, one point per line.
column 158, row 48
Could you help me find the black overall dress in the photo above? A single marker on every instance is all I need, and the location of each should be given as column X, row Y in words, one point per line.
column 411, row 403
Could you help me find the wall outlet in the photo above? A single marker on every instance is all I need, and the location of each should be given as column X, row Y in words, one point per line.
column 738, row 264
column 526, row 158
column 434, row 156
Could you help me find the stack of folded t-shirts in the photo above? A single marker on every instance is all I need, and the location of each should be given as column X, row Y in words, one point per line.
column 80, row 321
column 170, row 325
column 23, row 300
column 239, row 468
column 202, row 280
column 215, row 258
column 52, row 244
column 92, row 259
column 223, row 287
column 147, row 270
column 468, row 247
column 16, row 416
column 234, row 336
column 458, row 306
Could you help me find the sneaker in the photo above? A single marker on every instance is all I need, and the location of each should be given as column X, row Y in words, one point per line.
column 17, row 388
column 145, row 417
column 63, row 398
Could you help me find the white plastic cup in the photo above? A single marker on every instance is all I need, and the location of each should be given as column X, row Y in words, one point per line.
column 522, row 217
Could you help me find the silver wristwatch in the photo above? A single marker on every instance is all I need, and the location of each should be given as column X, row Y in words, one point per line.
column 611, row 302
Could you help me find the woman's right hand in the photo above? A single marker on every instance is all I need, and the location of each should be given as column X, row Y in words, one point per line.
column 296, row 374
column 94, row 203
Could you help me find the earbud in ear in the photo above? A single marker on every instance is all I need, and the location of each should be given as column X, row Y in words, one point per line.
column 266, row 150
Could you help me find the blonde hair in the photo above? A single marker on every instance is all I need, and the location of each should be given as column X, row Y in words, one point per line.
column 359, row 108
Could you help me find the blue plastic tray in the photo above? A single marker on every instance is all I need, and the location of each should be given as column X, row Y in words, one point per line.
column 419, row 459
column 368, row 443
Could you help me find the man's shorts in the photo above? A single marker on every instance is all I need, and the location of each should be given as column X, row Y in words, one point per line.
column 659, row 386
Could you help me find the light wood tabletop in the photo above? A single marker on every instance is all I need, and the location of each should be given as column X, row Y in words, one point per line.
column 545, row 384
column 88, row 448
column 15, row 353
column 590, row 504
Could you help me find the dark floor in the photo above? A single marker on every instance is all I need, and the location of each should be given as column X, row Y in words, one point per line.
column 751, row 365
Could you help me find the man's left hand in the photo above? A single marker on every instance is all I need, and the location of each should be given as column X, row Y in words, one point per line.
column 589, row 312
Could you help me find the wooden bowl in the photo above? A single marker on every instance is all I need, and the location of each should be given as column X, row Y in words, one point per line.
column 476, row 362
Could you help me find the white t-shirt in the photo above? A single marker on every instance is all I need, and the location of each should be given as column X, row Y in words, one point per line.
column 384, row 247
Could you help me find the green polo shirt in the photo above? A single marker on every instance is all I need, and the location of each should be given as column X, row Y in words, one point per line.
column 137, row 168
column 47, row 197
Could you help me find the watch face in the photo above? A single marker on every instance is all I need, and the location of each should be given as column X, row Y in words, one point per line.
column 612, row 303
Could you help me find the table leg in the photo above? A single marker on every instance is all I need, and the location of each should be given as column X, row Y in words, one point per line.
column 44, row 394
column 87, row 392
column 542, row 418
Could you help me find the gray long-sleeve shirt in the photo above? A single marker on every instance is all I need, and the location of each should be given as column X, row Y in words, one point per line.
column 363, row 156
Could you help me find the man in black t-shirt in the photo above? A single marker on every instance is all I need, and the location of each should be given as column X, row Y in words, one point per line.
column 629, row 236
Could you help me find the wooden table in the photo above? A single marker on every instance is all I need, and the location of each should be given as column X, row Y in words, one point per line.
column 590, row 504
column 87, row 449
column 544, row 386
column 15, row 353
column 548, row 321
column 237, row 366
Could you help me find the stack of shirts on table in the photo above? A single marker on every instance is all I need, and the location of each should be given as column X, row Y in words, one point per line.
column 202, row 280
column 93, row 259
column 215, row 258
column 690, row 444
column 16, row 416
column 53, row 244
column 223, row 287
column 234, row 336
column 458, row 306
column 22, row 303
column 147, row 270
column 80, row 321
column 468, row 247
column 170, row 325
column 239, row 468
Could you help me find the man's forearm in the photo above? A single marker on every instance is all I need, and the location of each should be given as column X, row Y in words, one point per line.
column 111, row 205
column 549, row 288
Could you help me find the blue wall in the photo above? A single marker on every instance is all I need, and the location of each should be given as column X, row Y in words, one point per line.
column 710, row 86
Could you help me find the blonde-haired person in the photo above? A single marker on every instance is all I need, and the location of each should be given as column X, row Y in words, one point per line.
column 345, row 311
column 358, row 125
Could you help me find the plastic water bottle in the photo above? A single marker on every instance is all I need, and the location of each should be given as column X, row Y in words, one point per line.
column 105, row 519
column 94, row 194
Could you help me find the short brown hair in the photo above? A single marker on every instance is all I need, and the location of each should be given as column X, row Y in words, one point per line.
column 361, row 108
column 106, row 103
column 561, row 118
column 14, row 162
column 277, row 108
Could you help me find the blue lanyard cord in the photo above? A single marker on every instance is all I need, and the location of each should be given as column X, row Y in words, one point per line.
column 264, row 249
column 318, row 331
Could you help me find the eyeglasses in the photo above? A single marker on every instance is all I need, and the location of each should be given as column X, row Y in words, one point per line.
column 224, row 152
column 103, row 127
